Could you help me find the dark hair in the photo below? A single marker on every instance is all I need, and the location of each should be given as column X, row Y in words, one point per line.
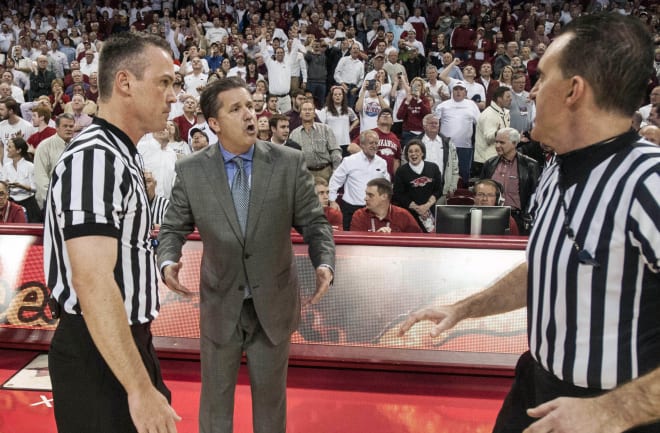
column 330, row 105
column 125, row 51
column 277, row 118
column 21, row 145
column 383, row 185
column 177, row 132
column 11, row 104
column 415, row 142
column 297, row 92
column 614, row 54
column 499, row 92
column 209, row 101
column 385, row 110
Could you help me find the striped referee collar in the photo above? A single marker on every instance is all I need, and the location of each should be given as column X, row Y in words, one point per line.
column 576, row 165
column 132, row 148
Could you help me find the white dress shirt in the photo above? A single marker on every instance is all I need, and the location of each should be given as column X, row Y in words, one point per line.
column 354, row 173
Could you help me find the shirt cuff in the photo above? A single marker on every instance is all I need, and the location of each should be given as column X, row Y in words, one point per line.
column 324, row 265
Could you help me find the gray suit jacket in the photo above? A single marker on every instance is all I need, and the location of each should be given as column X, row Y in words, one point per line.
column 281, row 196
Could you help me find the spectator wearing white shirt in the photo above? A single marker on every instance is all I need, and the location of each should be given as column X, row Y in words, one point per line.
column 216, row 33
column 8, row 88
column 353, row 174
column 298, row 65
column 186, row 65
column 89, row 63
column 349, row 73
column 195, row 81
column 159, row 159
column 475, row 90
column 279, row 73
column 457, row 116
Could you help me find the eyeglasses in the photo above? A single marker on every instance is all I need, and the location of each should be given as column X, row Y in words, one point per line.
column 485, row 195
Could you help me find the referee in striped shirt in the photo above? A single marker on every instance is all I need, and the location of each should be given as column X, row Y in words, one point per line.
column 591, row 280
column 98, row 258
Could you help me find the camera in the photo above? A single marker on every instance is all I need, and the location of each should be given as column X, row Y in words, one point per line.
column 371, row 85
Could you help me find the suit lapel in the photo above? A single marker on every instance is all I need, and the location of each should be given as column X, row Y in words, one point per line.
column 214, row 168
column 262, row 171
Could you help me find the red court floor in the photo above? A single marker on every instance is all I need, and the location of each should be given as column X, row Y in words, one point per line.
column 321, row 400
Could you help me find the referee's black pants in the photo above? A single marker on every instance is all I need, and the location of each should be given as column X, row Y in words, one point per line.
column 532, row 386
column 87, row 395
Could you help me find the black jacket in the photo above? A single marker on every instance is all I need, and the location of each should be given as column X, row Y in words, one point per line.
column 528, row 176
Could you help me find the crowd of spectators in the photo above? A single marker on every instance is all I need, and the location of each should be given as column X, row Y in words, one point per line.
column 322, row 73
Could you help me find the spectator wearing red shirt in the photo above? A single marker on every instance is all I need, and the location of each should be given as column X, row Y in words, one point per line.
column 189, row 117
column 334, row 216
column 413, row 109
column 10, row 212
column 40, row 117
column 380, row 215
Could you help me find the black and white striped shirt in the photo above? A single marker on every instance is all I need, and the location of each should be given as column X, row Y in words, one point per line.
column 159, row 206
column 97, row 188
column 597, row 326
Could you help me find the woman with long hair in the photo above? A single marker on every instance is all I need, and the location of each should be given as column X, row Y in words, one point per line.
column 58, row 99
column 225, row 66
column 252, row 75
column 19, row 174
column 178, row 145
column 506, row 76
column 338, row 116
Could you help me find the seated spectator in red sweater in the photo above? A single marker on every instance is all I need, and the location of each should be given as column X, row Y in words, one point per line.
column 40, row 118
column 10, row 212
column 380, row 215
column 334, row 216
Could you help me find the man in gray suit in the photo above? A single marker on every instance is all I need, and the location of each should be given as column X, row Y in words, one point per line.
column 248, row 282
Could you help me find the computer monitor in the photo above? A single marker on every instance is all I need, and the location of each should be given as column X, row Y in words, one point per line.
column 452, row 219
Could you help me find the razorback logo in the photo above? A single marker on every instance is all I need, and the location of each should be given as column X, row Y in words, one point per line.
column 421, row 181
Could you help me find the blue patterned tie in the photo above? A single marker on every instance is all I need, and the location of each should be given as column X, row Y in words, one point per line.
column 240, row 192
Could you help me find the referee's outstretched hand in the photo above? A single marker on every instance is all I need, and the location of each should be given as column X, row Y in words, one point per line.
column 171, row 277
column 445, row 317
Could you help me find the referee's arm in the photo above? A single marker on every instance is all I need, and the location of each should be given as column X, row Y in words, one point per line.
column 92, row 262
column 506, row 294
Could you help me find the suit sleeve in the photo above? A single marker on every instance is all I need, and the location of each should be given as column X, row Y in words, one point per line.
column 309, row 219
column 178, row 222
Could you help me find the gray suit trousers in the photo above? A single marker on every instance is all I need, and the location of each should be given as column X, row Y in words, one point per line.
column 267, row 367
